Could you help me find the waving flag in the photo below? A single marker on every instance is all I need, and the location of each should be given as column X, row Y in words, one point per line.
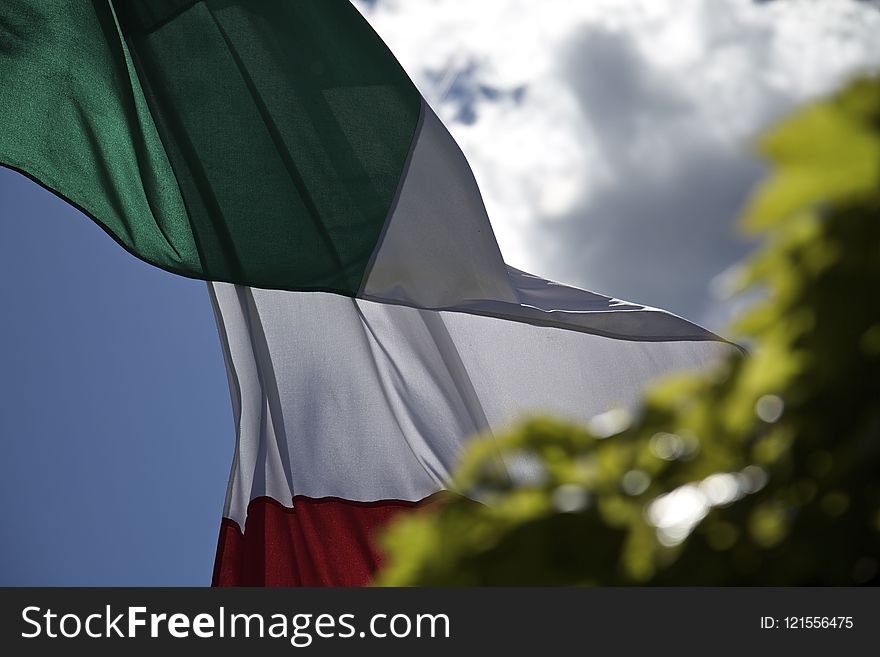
column 369, row 323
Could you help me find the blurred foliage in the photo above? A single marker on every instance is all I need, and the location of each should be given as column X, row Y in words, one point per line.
column 765, row 471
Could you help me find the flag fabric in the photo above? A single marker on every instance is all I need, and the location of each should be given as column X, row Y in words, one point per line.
column 368, row 321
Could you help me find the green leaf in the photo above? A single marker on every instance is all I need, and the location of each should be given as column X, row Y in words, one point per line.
column 824, row 154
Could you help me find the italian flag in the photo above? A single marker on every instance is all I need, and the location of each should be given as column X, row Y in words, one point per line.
column 369, row 323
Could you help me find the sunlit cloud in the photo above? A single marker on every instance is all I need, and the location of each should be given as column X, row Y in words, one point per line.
column 611, row 139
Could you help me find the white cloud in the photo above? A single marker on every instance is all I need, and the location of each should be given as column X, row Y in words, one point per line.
column 611, row 138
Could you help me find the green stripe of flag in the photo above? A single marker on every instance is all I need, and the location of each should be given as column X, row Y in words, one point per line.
column 247, row 141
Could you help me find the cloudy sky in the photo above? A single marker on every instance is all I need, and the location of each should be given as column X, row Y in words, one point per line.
column 611, row 138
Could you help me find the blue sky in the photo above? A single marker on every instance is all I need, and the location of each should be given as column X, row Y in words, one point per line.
column 611, row 140
column 115, row 419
